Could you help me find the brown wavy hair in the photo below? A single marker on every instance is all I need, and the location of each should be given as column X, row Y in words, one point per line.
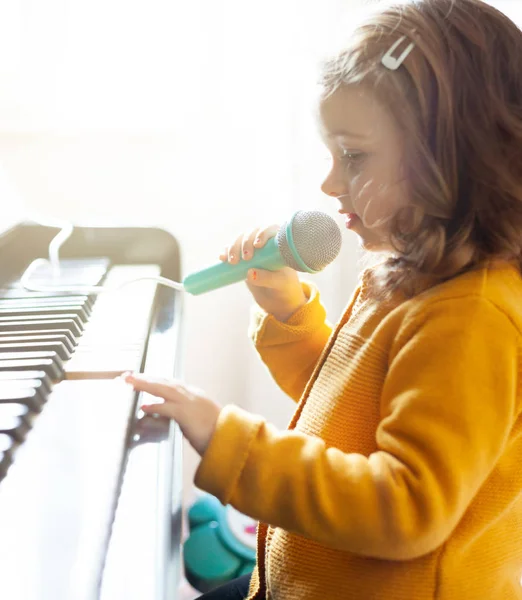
column 458, row 99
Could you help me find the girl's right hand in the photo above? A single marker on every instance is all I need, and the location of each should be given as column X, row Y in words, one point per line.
column 280, row 292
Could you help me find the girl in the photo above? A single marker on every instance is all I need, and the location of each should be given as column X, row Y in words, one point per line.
column 400, row 474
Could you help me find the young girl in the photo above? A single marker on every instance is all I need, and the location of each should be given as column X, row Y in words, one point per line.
column 400, row 474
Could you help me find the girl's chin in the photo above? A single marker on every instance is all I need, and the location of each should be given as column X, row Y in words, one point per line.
column 370, row 243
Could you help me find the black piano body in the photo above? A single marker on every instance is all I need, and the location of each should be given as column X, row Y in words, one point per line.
column 90, row 491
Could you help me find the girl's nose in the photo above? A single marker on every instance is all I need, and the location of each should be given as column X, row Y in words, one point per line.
column 334, row 186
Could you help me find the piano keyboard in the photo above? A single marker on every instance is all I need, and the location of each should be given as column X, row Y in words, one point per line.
column 66, row 424
column 109, row 337
column 90, row 503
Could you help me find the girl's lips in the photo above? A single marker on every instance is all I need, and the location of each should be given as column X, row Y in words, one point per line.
column 351, row 219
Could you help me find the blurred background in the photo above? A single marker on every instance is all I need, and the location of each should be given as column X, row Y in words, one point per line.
column 194, row 115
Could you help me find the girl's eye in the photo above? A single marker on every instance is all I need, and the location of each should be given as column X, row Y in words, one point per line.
column 352, row 157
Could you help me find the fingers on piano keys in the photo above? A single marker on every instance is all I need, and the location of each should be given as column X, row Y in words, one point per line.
column 46, row 337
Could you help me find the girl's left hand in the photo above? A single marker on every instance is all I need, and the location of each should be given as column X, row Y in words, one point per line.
column 194, row 412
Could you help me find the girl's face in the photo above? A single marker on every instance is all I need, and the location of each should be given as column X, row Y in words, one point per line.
column 365, row 175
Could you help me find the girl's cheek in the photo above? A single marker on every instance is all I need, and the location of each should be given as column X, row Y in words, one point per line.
column 361, row 192
column 376, row 205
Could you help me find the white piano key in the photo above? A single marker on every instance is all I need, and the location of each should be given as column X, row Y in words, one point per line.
column 115, row 336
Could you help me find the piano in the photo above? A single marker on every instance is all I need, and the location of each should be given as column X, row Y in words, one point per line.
column 90, row 487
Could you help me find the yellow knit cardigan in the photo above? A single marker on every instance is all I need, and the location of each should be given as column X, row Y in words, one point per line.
column 400, row 474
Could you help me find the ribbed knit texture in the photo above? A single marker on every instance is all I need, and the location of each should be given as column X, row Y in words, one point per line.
column 400, row 475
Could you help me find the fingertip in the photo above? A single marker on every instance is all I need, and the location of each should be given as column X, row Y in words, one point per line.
column 161, row 409
column 151, row 408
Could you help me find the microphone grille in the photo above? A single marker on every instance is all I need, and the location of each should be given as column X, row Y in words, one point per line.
column 317, row 239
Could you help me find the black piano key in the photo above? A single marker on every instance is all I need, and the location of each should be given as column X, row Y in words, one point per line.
column 21, row 377
column 44, row 319
column 31, row 325
column 52, row 370
column 33, row 396
column 35, row 339
column 60, row 334
column 58, row 347
column 41, row 312
column 6, row 453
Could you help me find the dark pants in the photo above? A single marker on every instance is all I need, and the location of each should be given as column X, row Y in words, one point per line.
column 237, row 589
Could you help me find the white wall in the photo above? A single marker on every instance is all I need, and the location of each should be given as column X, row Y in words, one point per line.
column 196, row 116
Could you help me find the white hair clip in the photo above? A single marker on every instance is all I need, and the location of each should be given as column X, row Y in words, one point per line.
column 393, row 63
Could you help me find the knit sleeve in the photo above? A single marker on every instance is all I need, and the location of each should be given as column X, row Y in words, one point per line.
column 291, row 349
column 448, row 405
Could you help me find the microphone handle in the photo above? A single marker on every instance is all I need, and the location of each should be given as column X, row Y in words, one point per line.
column 268, row 257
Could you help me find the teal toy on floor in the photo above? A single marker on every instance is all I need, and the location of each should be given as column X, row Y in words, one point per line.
column 221, row 545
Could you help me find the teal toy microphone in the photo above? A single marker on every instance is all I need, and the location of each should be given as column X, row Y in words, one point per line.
column 308, row 242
